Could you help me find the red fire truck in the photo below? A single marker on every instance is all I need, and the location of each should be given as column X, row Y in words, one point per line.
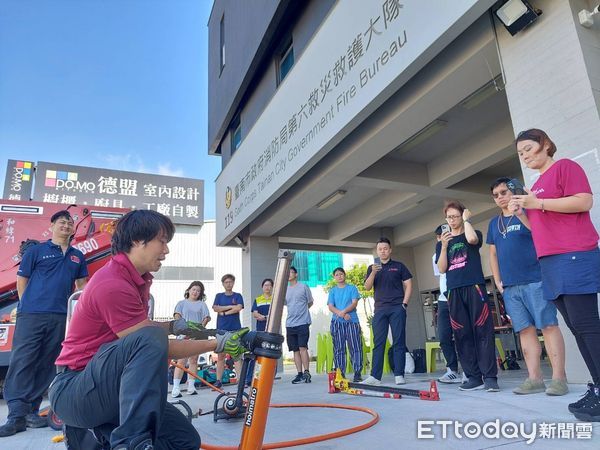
column 24, row 223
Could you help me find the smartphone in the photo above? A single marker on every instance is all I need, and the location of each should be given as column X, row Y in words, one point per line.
column 377, row 260
column 516, row 187
column 445, row 228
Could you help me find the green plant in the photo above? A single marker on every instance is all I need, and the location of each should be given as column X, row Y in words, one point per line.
column 356, row 275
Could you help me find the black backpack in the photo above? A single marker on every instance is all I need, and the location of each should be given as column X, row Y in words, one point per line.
column 419, row 357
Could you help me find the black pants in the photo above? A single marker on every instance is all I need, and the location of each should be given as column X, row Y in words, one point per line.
column 123, row 392
column 36, row 345
column 580, row 313
column 471, row 321
column 445, row 336
column 383, row 319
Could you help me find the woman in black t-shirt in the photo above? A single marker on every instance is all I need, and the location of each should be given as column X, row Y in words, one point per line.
column 458, row 257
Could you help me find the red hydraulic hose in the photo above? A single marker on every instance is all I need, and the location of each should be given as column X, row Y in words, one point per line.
column 311, row 439
column 300, row 441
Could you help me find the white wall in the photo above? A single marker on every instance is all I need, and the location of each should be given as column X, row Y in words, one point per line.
column 196, row 247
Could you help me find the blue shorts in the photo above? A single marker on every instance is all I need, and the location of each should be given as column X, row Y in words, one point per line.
column 526, row 306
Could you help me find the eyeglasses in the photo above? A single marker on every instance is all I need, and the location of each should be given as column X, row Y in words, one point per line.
column 453, row 217
column 500, row 194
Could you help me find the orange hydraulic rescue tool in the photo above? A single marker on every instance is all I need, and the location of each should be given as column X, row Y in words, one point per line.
column 266, row 347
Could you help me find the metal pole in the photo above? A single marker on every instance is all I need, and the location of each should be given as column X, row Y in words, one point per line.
column 282, row 275
column 267, row 349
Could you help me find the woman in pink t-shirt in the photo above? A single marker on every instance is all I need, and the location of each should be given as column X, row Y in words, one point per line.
column 566, row 244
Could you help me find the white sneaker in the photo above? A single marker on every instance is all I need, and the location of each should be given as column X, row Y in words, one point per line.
column 400, row 379
column 450, row 377
column 371, row 381
column 176, row 393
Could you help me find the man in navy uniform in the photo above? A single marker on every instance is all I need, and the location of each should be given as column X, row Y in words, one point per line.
column 45, row 281
column 392, row 282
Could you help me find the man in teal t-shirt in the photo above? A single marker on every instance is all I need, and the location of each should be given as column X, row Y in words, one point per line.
column 345, row 327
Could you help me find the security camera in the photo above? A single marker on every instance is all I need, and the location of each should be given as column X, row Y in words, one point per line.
column 586, row 18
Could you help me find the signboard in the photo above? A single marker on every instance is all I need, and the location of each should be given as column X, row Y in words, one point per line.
column 182, row 199
column 18, row 183
column 363, row 53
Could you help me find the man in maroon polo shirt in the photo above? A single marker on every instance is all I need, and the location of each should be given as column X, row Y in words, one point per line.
column 112, row 371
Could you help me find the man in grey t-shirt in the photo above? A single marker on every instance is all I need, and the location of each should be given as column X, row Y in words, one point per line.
column 298, row 299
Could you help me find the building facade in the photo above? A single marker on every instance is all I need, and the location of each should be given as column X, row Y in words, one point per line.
column 340, row 122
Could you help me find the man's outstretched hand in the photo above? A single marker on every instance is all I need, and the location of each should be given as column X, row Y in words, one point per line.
column 193, row 330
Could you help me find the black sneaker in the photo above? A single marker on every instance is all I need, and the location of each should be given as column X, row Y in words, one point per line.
column 573, row 407
column 590, row 411
column 357, row 378
column 472, row 384
column 218, row 384
column 306, row 376
column 491, row 384
column 298, row 379
column 13, row 426
column 32, row 420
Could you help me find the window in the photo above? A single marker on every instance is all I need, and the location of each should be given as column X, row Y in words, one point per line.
column 222, row 43
column 286, row 62
column 235, row 131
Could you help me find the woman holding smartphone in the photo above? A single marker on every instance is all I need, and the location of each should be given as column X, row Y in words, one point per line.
column 566, row 244
column 457, row 255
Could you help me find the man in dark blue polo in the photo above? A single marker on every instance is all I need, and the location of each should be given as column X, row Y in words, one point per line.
column 392, row 282
column 44, row 283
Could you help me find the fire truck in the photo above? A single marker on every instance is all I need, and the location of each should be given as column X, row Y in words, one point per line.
column 25, row 223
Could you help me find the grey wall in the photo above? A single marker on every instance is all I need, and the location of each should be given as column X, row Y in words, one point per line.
column 245, row 25
column 241, row 49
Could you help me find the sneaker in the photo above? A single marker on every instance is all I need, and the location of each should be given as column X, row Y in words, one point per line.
column 176, row 393
column 191, row 390
column 13, row 426
column 32, row 420
column 218, row 384
column 590, row 411
column 306, row 376
column 557, row 387
column 472, row 384
column 298, row 379
column 491, row 384
column 357, row 378
column 530, row 386
column 583, row 400
column 450, row 377
column 399, row 379
column 371, row 381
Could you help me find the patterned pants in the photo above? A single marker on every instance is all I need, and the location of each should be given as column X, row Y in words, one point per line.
column 342, row 333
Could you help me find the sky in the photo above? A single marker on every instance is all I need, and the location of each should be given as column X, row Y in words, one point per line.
column 115, row 84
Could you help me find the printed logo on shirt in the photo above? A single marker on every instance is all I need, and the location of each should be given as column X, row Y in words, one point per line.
column 49, row 256
column 538, row 191
column 516, row 227
column 75, row 259
column 457, row 256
